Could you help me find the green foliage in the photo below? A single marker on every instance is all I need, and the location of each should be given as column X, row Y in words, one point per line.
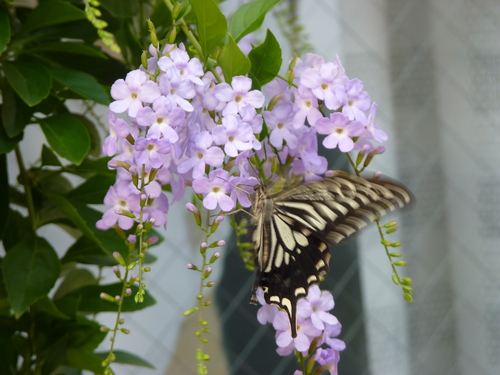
column 266, row 61
column 48, row 55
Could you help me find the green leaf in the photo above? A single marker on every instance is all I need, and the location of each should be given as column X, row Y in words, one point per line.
column 85, row 218
column 16, row 114
column 95, row 136
column 93, row 190
column 249, row 17
column 232, row 61
column 91, row 302
column 52, row 12
column 49, row 158
column 211, row 25
column 4, row 198
column 75, row 279
column 31, row 81
column 266, row 60
column 71, row 47
column 86, row 251
column 7, row 144
column 67, row 136
column 81, row 83
column 127, row 358
column 83, row 360
column 121, row 8
column 4, row 29
column 30, row 270
column 18, row 227
column 99, row 166
column 46, row 305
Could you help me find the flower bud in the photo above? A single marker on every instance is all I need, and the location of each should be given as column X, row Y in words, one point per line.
column 191, row 266
column 128, row 292
column 119, row 259
column 144, row 60
column 116, row 271
column 104, row 329
column 106, row 297
column 114, row 164
column 214, row 257
column 197, row 215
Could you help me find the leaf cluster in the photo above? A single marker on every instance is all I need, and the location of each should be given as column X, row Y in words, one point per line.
column 49, row 56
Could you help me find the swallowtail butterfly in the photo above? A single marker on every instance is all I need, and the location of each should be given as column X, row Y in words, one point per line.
column 294, row 226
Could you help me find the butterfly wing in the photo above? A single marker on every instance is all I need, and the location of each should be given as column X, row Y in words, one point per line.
column 294, row 227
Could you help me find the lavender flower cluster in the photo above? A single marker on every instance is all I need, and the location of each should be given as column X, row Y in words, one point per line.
column 173, row 124
column 316, row 328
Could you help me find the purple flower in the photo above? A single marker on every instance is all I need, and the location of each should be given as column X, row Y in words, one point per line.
column 314, row 172
column 242, row 188
column 305, row 332
column 306, row 106
column 358, row 100
column 132, row 92
column 150, row 149
column 234, row 135
column 238, row 95
column 319, row 303
column 328, row 359
column 216, row 189
column 162, row 119
column 339, row 130
column 327, row 83
column 176, row 89
column 266, row 313
column 372, row 128
column 190, row 69
column 200, row 154
column 279, row 121
column 119, row 198
column 118, row 128
column 307, row 148
column 158, row 210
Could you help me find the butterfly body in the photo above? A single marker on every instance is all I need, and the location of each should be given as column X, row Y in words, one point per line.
column 295, row 226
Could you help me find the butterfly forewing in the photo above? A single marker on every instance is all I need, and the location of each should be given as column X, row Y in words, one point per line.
column 294, row 226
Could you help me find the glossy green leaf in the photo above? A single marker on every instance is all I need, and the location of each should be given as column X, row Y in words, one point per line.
column 211, row 25
column 31, row 81
column 18, row 227
column 47, row 306
column 52, row 12
column 81, row 83
column 249, row 17
column 87, row 251
column 7, row 144
column 84, row 219
column 70, row 47
column 67, row 136
column 94, row 134
column 49, row 158
column 84, row 360
column 127, row 359
column 30, row 270
column 75, row 279
column 93, row 190
column 233, row 61
column 99, row 166
column 91, row 302
column 4, row 29
column 266, row 60
column 16, row 114
column 121, row 8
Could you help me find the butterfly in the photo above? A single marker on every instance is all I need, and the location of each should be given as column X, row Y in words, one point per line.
column 294, row 227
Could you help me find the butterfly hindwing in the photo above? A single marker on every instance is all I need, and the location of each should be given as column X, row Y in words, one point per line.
column 294, row 226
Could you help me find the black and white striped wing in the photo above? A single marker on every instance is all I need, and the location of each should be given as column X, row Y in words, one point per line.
column 294, row 227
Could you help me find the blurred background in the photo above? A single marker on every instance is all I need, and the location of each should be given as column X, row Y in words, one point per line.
column 433, row 67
